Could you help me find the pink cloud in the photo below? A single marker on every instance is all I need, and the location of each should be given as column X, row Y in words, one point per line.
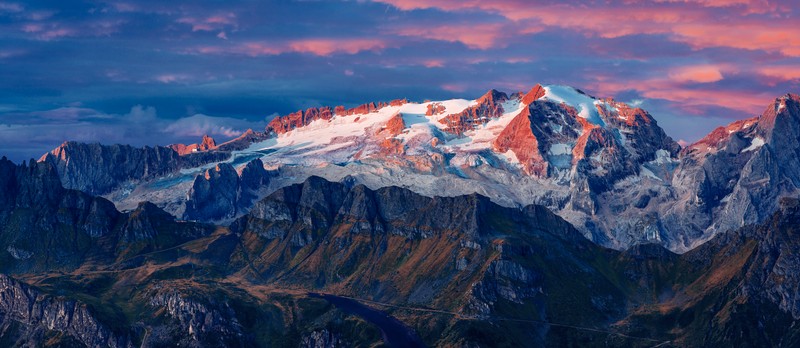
column 775, row 74
column 687, row 99
column 325, row 47
column 751, row 6
column 454, row 87
column 477, row 36
column 433, row 63
column 696, row 73
column 211, row 23
column 318, row 47
column 693, row 22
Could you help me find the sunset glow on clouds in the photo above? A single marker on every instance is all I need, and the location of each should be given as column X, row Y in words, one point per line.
column 689, row 62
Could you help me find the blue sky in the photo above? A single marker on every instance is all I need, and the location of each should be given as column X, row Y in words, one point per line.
column 155, row 72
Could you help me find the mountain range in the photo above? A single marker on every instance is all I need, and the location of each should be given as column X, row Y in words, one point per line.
column 540, row 218
column 604, row 166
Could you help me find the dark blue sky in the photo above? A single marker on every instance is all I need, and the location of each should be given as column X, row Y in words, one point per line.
column 158, row 72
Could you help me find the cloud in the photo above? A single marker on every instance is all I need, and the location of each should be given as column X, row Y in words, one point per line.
column 696, row 73
column 324, row 47
column 477, row 36
column 211, row 23
column 317, row 46
column 693, row 22
column 10, row 7
column 199, row 125
column 776, row 74
column 32, row 134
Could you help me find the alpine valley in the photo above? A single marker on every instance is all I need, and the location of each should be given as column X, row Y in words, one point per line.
column 539, row 218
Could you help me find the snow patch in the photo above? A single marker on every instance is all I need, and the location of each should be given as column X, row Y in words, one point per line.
column 757, row 143
column 662, row 157
column 581, row 102
column 510, row 157
column 643, row 171
column 560, row 149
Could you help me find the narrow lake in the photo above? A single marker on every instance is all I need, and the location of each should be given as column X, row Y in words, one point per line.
column 395, row 333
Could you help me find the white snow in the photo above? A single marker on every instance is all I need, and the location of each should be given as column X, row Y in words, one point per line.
column 510, row 157
column 648, row 173
column 662, row 157
column 560, row 155
column 510, row 105
column 560, row 149
column 581, row 102
column 755, row 144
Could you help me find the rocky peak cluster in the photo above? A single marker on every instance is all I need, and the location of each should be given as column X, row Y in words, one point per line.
column 221, row 193
column 488, row 107
column 206, row 144
column 283, row 124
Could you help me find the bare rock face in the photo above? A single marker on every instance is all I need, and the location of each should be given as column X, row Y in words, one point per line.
column 535, row 93
column 489, row 107
column 41, row 314
column 504, row 280
column 434, row 109
column 44, row 225
column 320, row 204
column 99, row 169
column 322, row 339
column 201, row 322
column 207, row 144
column 213, row 195
column 222, row 193
column 737, row 174
column 519, row 138
column 395, row 125
column 283, row 124
column 243, row 141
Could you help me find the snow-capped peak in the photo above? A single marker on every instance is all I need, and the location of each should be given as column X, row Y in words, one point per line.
column 584, row 104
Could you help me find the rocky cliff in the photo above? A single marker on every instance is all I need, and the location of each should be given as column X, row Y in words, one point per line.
column 222, row 193
column 99, row 169
column 46, row 227
column 206, row 144
column 29, row 318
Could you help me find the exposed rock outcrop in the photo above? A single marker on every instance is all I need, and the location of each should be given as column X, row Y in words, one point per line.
column 283, row 124
column 221, row 193
column 39, row 314
column 99, row 169
column 242, row 142
column 201, row 322
column 43, row 225
column 322, row 339
column 489, row 107
column 207, row 144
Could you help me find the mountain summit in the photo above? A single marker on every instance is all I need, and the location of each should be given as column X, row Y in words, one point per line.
column 605, row 166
